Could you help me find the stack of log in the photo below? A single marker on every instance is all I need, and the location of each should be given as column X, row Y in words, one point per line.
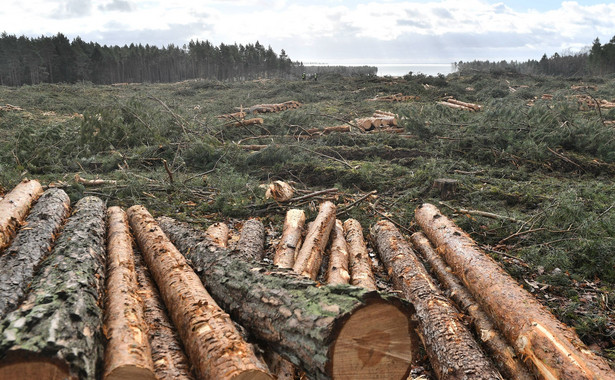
column 381, row 121
column 587, row 102
column 457, row 104
column 394, row 98
column 273, row 107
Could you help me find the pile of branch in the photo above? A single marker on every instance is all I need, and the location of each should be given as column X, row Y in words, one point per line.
column 274, row 107
column 457, row 104
column 587, row 102
column 394, row 98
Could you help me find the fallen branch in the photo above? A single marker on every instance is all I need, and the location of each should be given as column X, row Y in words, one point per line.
column 93, row 182
column 481, row 213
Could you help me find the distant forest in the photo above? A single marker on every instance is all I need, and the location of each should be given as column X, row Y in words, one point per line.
column 599, row 60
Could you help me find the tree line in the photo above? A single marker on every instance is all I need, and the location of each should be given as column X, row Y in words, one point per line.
column 56, row 59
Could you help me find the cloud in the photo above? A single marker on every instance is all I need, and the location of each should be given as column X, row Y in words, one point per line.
column 117, row 5
column 73, row 9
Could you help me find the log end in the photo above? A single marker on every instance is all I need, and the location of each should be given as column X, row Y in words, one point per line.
column 18, row 365
column 253, row 375
column 130, row 372
column 376, row 341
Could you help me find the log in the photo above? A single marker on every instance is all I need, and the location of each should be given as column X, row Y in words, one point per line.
column 553, row 349
column 94, row 182
column 280, row 191
column 14, row 207
column 456, row 106
column 246, row 122
column 361, row 273
column 328, row 331
column 290, row 241
column 212, row 342
column 336, row 128
column 31, row 245
column 170, row 361
column 127, row 354
column 337, row 273
column 472, row 106
column 451, row 348
column 218, row 233
column 492, row 340
column 56, row 333
column 253, row 147
column 309, row 257
column 251, row 244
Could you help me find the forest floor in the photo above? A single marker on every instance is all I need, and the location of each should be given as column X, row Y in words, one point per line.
column 539, row 156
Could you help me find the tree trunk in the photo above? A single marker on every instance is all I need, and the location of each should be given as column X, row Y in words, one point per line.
column 361, row 273
column 213, row 344
column 218, row 233
column 452, row 350
column 170, row 361
column 291, row 239
column 502, row 353
column 14, row 207
column 337, row 273
column 309, row 257
column 31, row 245
column 57, row 330
column 251, row 244
column 341, row 332
column 554, row 350
column 128, row 354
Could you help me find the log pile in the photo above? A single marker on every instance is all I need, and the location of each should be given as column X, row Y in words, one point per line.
column 394, row 98
column 379, row 121
column 457, row 104
column 274, row 107
column 587, row 102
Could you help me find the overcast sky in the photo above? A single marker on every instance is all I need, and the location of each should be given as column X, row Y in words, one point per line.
column 331, row 31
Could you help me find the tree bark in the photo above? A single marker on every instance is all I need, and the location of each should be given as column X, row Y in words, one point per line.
column 553, row 349
column 14, row 207
column 291, row 239
column 341, row 331
column 31, row 245
column 337, row 274
column 58, row 327
column 492, row 340
column 452, row 350
column 361, row 273
column 218, row 233
column 309, row 257
column 251, row 244
column 170, row 361
column 212, row 342
column 127, row 354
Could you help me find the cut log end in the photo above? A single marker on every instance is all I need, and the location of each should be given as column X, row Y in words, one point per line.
column 253, row 375
column 20, row 365
column 377, row 341
column 131, row 372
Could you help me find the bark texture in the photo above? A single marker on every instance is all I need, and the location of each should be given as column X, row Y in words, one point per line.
column 344, row 332
column 452, row 350
column 251, row 244
column 309, row 257
column 361, row 273
column 14, row 207
column 31, row 245
column 553, row 349
column 128, row 354
column 60, row 321
column 291, row 239
column 212, row 342
column 337, row 273
column 492, row 340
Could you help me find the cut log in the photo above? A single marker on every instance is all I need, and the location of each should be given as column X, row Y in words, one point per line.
column 56, row 333
column 94, row 182
column 251, row 244
column 246, row 122
column 291, row 239
column 553, row 349
column 309, row 257
column 280, row 191
column 253, row 147
column 14, row 207
column 170, row 361
column 127, row 354
column 337, row 128
column 213, row 344
column 218, row 233
column 451, row 348
column 340, row 332
column 492, row 340
column 456, row 106
column 361, row 273
column 31, row 245
column 472, row 106
column 337, row 273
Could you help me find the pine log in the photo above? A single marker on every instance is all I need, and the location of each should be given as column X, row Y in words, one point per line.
column 456, row 106
column 451, row 348
column 127, row 354
column 336, row 128
column 337, row 273
column 14, row 207
column 361, row 273
column 213, row 344
column 309, row 257
column 246, row 122
column 291, row 239
column 492, row 340
column 170, row 361
column 474, row 107
column 56, row 332
column 553, row 349
column 251, row 244
column 328, row 331
column 31, row 245
column 218, row 233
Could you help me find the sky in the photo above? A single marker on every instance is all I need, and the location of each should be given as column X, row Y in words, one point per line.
column 330, row 31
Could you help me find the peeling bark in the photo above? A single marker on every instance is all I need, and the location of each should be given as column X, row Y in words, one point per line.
column 251, row 244
column 337, row 273
column 309, row 257
column 452, row 350
column 58, row 327
column 553, row 349
column 492, row 340
column 361, row 273
column 213, row 344
column 128, row 354
column 341, row 331
column 291, row 239
column 31, row 245
column 14, row 207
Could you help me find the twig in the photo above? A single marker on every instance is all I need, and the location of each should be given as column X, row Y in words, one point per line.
column 520, row 233
column 521, row 261
column 345, row 209
column 481, row 213
column 207, row 172
column 169, row 172
column 314, row 194
column 332, row 117
column 408, row 231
